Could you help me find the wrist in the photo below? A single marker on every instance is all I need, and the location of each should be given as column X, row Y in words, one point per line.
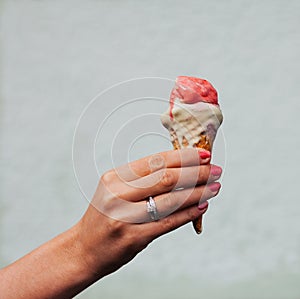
column 81, row 257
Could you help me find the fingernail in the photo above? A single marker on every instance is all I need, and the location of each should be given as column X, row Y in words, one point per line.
column 214, row 187
column 204, row 154
column 203, row 206
column 215, row 170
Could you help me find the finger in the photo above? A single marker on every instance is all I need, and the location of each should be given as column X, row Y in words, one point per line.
column 136, row 212
column 178, row 200
column 169, row 159
column 166, row 180
column 172, row 222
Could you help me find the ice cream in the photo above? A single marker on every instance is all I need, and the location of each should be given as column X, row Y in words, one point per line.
column 193, row 117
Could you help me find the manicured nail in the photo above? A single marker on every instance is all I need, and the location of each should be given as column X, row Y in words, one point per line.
column 214, row 187
column 204, row 154
column 215, row 170
column 203, row 206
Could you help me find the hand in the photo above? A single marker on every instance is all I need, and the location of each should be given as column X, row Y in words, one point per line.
column 116, row 225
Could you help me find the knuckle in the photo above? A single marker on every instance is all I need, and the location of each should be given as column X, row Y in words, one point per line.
column 156, row 162
column 169, row 223
column 108, row 177
column 167, row 179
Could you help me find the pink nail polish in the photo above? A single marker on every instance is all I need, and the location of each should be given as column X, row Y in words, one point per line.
column 214, row 187
column 203, row 206
column 215, row 170
column 204, row 154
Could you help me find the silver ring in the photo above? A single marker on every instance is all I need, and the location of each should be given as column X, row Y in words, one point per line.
column 151, row 208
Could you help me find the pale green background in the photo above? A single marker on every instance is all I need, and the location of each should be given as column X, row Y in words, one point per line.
column 57, row 55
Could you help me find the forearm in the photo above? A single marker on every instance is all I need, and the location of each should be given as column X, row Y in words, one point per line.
column 57, row 269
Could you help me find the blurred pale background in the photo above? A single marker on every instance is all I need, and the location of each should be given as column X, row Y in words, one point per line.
column 57, row 55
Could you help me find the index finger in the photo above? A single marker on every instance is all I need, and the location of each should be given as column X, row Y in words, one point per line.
column 169, row 159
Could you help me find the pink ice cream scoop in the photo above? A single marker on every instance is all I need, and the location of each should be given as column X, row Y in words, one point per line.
column 190, row 90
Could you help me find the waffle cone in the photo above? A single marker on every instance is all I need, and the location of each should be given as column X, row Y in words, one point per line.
column 203, row 143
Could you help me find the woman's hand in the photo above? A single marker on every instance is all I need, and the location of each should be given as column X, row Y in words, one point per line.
column 116, row 225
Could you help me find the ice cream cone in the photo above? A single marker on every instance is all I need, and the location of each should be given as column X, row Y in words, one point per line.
column 193, row 118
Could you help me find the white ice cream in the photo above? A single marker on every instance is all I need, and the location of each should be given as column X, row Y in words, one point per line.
column 192, row 120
